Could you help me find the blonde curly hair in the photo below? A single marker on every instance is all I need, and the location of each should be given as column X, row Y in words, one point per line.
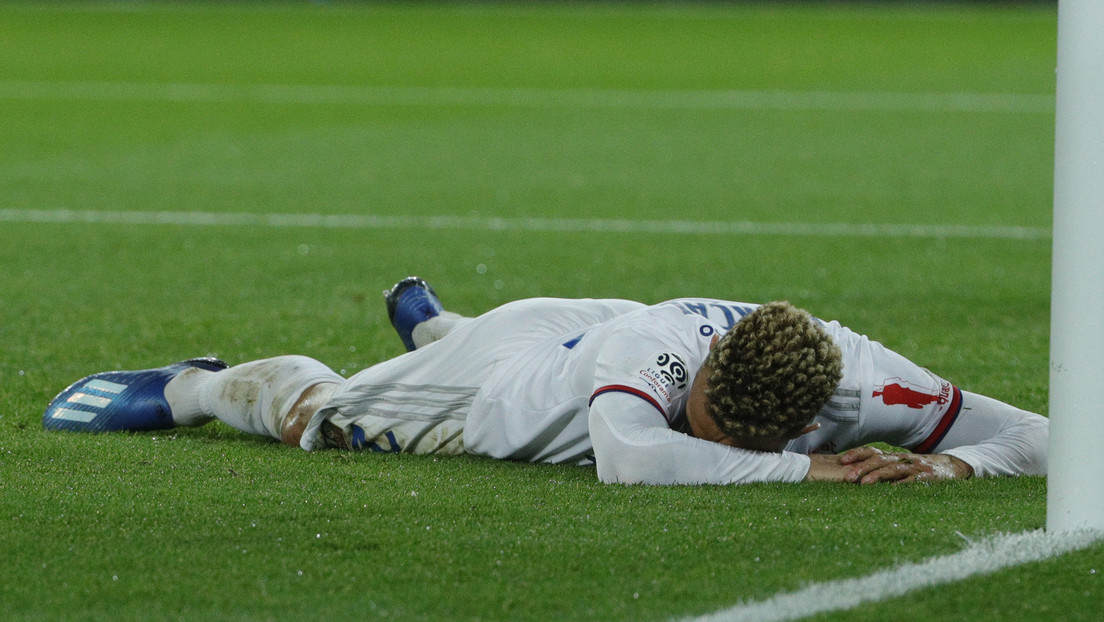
column 771, row 373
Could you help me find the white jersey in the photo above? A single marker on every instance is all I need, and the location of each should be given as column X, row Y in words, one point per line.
column 536, row 406
column 606, row 382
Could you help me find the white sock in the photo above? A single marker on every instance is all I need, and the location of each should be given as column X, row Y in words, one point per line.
column 253, row 397
column 182, row 394
column 435, row 328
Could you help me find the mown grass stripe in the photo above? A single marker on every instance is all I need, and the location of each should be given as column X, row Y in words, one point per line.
column 567, row 225
column 1018, row 103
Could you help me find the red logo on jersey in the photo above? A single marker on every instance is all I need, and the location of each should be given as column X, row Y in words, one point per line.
column 897, row 391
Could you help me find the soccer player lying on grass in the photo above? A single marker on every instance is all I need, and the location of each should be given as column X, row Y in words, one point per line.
column 687, row 391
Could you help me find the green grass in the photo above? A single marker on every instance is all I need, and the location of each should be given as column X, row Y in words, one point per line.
column 208, row 523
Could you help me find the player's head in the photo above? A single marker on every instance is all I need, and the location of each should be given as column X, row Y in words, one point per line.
column 770, row 375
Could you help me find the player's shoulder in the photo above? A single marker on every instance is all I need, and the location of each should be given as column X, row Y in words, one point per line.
column 667, row 313
column 662, row 326
column 655, row 351
column 723, row 314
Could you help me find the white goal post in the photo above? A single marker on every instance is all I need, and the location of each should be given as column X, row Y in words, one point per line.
column 1075, row 492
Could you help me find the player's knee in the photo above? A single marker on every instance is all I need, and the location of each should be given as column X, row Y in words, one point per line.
column 300, row 413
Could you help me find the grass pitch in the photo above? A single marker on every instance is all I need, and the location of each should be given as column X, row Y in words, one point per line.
column 838, row 114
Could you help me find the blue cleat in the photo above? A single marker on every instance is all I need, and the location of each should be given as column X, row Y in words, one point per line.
column 409, row 303
column 120, row 400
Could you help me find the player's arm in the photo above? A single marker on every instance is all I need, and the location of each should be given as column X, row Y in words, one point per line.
column 633, row 444
column 989, row 438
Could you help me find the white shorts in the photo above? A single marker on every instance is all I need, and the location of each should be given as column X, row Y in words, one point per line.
column 418, row 402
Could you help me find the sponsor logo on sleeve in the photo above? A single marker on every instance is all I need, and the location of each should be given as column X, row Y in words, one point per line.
column 898, row 391
column 666, row 374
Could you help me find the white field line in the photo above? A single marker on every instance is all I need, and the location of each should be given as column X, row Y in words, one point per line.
column 568, row 225
column 1017, row 103
column 979, row 558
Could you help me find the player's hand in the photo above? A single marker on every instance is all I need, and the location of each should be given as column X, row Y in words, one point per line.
column 869, row 465
column 826, row 468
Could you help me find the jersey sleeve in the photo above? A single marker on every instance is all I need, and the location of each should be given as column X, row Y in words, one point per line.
column 997, row 439
column 634, row 445
column 908, row 406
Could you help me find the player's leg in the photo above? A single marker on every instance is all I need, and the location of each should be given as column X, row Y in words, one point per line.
column 420, row 319
column 417, row 313
column 435, row 328
column 273, row 397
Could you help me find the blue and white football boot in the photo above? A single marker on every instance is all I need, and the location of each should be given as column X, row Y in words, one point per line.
column 120, row 400
column 410, row 302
